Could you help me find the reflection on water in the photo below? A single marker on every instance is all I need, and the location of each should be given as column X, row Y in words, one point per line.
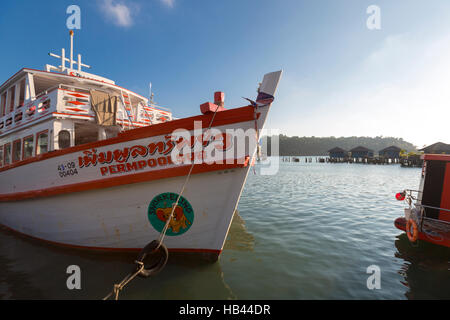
column 238, row 236
column 426, row 269
column 32, row 269
column 309, row 232
column 35, row 270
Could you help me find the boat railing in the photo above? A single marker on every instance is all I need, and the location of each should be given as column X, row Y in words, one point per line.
column 431, row 225
column 436, row 208
column 426, row 221
column 77, row 102
column 152, row 105
column 153, row 114
column 74, row 102
column 411, row 196
column 44, row 104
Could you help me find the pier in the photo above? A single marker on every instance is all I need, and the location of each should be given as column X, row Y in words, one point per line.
column 360, row 154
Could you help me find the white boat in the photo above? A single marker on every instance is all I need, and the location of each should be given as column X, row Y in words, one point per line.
column 86, row 163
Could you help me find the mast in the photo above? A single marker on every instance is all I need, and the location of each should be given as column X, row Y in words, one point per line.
column 71, row 49
column 62, row 67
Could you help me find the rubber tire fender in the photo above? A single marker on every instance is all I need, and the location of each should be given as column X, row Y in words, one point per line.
column 158, row 258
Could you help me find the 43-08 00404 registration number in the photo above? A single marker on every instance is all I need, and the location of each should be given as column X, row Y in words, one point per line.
column 68, row 169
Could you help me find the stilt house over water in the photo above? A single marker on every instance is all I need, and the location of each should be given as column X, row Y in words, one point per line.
column 391, row 152
column 437, row 148
column 361, row 152
column 338, row 153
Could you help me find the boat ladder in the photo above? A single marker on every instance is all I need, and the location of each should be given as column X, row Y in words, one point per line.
column 126, row 102
column 149, row 117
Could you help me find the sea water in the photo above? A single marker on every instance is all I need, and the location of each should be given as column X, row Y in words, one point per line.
column 311, row 231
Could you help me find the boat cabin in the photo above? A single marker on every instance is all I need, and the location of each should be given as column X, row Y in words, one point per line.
column 434, row 193
column 62, row 107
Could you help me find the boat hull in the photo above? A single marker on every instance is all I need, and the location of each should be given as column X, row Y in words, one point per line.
column 103, row 207
column 118, row 218
column 442, row 239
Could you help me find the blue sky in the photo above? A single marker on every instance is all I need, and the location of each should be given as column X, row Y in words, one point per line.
column 340, row 78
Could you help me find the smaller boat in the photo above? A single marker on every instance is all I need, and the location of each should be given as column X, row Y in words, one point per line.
column 427, row 216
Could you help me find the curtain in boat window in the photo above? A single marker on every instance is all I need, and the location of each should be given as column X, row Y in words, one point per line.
column 105, row 107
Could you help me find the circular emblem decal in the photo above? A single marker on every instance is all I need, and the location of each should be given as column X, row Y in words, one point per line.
column 159, row 211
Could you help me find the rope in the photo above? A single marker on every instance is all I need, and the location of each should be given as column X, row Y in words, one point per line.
column 118, row 287
column 166, row 226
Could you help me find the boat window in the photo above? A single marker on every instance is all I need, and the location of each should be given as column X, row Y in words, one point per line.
column 12, row 94
column 64, row 139
column 22, row 92
column 3, row 105
column 7, row 155
column 1, row 156
column 17, row 149
column 42, row 143
column 85, row 133
column 28, row 146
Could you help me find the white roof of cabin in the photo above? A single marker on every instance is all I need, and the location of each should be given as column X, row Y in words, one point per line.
column 43, row 80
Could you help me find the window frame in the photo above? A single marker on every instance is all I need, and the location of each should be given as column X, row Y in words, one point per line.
column 37, row 140
column 4, row 154
column 1, row 158
column 12, row 98
column 22, row 84
column 13, row 149
column 70, row 139
column 3, row 103
column 23, row 147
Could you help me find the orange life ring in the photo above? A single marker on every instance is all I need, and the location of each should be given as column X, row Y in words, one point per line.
column 415, row 231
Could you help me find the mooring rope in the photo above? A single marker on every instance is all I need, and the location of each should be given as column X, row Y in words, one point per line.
column 166, row 226
column 118, row 287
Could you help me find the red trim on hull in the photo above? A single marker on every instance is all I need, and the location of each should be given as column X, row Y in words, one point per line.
column 400, row 223
column 218, row 252
column 231, row 116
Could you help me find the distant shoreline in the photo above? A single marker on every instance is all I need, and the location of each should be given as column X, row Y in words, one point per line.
column 319, row 146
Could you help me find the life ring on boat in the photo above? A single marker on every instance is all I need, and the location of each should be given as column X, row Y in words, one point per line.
column 413, row 234
column 156, row 254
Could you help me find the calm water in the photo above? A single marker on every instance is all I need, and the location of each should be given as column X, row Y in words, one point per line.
column 309, row 232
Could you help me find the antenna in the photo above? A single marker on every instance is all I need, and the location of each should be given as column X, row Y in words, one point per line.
column 151, row 94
